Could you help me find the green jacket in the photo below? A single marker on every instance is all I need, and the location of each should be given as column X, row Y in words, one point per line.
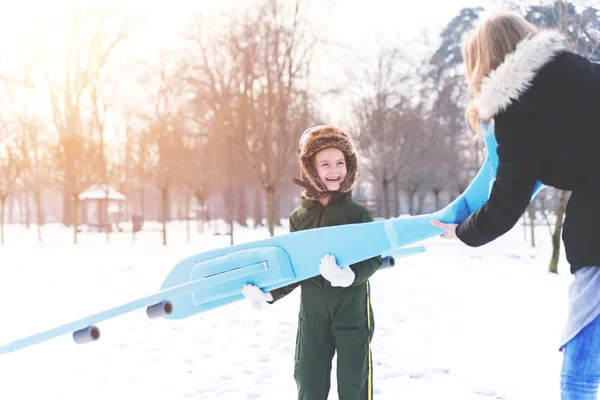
column 340, row 210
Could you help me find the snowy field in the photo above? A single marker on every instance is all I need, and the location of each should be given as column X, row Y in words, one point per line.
column 452, row 323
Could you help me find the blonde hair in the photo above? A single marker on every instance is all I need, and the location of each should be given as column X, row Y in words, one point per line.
column 486, row 48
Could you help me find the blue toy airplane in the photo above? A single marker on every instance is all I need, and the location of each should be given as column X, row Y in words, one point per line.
column 215, row 278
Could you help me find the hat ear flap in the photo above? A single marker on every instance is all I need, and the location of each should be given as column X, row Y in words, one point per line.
column 315, row 189
column 309, row 191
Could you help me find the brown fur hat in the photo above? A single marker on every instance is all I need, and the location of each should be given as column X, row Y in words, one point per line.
column 316, row 139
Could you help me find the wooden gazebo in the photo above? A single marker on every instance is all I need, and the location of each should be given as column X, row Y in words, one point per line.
column 100, row 205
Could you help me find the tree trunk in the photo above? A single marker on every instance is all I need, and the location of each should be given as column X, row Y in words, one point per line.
column 271, row 209
column 228, row 210
column 67, row 206
column 258, row 209
column 38, row 211
column 165, row 208
column 412, row 190
column 119, row 212
column 200, row 218
column 277, row 212
column 531, row 211
column 106, row 216
column 26, row 208
column 436, row 194
column 188, row 198
column 451, row 196
column 560, row 213
column 420, row 202
column 396, row 199
column 181, row 207
column 242, row 206
column 142, row 201
column 2, row 203
column 385, row 186
column 75, row 217
column 11, row 203
column 128, row 209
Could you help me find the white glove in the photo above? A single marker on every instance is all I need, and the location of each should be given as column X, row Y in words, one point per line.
column 256, row 296
column 338, row 276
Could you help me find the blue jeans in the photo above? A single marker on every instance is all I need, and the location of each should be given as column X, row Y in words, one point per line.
column 580, row 374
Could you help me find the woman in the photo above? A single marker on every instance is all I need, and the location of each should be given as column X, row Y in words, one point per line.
column 544, row 102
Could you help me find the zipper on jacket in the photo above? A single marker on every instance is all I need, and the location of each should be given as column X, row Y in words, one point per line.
column 322, row 280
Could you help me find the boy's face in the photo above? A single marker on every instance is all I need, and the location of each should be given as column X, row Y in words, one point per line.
column 330, row 164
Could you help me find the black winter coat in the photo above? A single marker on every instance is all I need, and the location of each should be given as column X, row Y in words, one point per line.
column 545, row 104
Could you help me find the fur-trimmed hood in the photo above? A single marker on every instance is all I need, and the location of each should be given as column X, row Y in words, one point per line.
column 539, row 62
column 316, row 139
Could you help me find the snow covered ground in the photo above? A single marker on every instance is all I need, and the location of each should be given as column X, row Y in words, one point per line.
column 452, row 323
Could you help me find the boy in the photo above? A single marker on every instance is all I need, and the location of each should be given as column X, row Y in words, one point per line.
column 335, row 310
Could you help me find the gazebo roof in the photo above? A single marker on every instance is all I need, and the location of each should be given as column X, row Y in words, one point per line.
column 99, row 192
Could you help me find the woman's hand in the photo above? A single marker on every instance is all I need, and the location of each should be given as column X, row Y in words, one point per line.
column 449, row 228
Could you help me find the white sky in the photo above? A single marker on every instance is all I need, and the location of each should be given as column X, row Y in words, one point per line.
column 358, row 26
column 355, row 23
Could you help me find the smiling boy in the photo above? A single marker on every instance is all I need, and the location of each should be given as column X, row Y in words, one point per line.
column 335, row 308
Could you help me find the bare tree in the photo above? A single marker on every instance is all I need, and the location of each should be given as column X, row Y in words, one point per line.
column 163, row 140
column 446, row 90
column 214, row 78
column 10, row 173
column 134, row 157
column 19, row 128
column 201, row 173
column 23, row 145
column 33, row 136
column 256, row 77
column 387, row 124
column 99, row 111
column 71, row 74
column 40, row 171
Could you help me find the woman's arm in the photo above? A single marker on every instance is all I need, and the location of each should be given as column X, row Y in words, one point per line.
column 518, row 171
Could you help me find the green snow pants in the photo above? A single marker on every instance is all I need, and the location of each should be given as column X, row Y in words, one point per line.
column 333, row 320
